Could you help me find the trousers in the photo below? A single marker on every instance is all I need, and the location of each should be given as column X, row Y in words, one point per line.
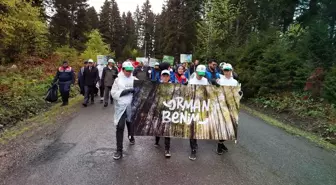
column 120, row 131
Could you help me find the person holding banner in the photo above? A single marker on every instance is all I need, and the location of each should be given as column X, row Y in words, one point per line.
column 197, row 79
column 122, row 92
column 212, row 74
column 165, row 78
column 155, row 73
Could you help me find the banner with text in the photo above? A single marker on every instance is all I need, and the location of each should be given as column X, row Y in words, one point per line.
column 143, row 60
column 185, row 58
column 101, row 60
column 173, row 110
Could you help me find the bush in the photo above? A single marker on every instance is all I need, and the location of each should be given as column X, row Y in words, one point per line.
column 329, row 89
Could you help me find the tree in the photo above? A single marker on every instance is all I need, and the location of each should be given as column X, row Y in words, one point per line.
column 147, row 28
column 95, row 46
column 93, row 20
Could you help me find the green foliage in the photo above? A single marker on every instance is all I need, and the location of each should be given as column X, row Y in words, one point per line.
column 67, row 53
column 329, row 90
column 22, row 30
column 95, row 46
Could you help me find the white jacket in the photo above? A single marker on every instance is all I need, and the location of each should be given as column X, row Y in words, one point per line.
column 223, row 81
column 123, row 103
column 195, row 81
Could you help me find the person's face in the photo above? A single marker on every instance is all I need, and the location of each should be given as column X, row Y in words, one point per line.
column 213, row 65
column 110, row 64
column 65, row 65
column 227, row 73
column 127, row 73
column 196, row 62
column 184, row 64
column 165, row 78
column 156, row 67
column 85, row 65
column 180, row 70
column 90, row 64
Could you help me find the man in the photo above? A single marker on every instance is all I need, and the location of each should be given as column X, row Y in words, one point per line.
column 141, row 72
column 122, row 92
column 212, row 74
column 164, row 79
column 65, row 77
column 110, row 73
column 155, row 73
column 198, row 79
column 80, row 78
column 193, row 67
column 90, row 77
column 100, row 68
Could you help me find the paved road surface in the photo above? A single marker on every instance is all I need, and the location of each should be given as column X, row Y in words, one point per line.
column 82, row 155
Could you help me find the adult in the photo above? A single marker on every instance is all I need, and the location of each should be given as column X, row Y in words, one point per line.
column 164, row 79
column 100, row 68
column 155, row 73
column 193, row 67
column 122, row 92
column 90, row 77
column 180, row 76
column 141, row 72
column 186, row 69
column 198, row 79
column 110, row 73
column 65, row 77
column 211, row 72
column 81, row 79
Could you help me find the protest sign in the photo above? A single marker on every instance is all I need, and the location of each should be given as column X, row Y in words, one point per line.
column 185, row 58
column 101, row 60
column 169, row 59
column 143, row 60
column 173, row 110
column 152, row 62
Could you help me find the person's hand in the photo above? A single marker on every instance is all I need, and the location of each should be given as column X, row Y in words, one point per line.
column 183, row 77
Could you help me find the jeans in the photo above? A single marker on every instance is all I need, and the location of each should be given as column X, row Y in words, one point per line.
column 193, row 144
column 101, row 91
column 107, row 93
column 120, row 131
column 64, row 89
column 89, row 94
column 166, row 142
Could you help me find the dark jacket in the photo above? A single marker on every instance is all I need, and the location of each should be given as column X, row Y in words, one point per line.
column 108, row 76
column 65, row 75
column 90, row 78
column 141, row 72
column 81, row 80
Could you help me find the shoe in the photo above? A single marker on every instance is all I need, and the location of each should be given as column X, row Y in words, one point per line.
column 157, row 145
column 132, row 140
column 224, row 148
column 101, row 100
column 105, row 104
column 167, row 154
column 221, row 148
column 117, row 155
column 193, row 155
column 84, row 104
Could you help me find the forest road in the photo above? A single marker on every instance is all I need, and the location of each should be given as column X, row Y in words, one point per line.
column 82, row 155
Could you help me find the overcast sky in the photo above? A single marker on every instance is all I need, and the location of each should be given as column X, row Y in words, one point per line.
column 128, row 5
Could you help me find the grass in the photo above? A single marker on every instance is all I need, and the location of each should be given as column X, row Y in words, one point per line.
column 46, row 118
column 290, row 129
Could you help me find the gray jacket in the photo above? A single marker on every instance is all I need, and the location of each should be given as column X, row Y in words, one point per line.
column 108, row 76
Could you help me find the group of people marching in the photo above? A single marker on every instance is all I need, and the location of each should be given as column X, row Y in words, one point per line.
column 116, row 87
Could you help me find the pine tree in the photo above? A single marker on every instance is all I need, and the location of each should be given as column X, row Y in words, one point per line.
column 147, row 29
column 116, row 29
column 105, row 22
column 93, row 20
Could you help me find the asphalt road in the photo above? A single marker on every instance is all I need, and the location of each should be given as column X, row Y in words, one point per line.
column 82, row 155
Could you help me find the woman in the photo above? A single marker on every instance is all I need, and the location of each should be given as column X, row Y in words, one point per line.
column 180, row 77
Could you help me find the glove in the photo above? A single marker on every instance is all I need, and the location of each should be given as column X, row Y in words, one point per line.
column 214, row 82
column 126, row 92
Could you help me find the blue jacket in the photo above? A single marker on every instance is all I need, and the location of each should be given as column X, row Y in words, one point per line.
column 65, row 75
column 210, row 77
column 155, row 75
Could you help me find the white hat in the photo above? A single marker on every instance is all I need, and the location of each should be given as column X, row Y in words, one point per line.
column 222, row 64
column 90, row 61
column 227, row 66
column 201, row 69
column 165, row 72
column 111, row 61
column 127, row 66
column 157, row 63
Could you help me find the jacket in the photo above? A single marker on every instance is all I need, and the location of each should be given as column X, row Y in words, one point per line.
column 211, row 75
column 155, row 75
column 141, row 72
column 65, row 75
column 90, row 78
column 122, row 103
column 108, row 76
column 179, row 80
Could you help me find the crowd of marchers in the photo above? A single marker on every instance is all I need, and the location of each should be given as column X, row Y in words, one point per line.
column 114, row 83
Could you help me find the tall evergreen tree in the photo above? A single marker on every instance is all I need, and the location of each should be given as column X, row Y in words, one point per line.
column 147, row 29
column 105, row 22
column 93, row 20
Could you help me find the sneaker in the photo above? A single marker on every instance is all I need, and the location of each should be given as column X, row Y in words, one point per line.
column 220, row 149
column 224, row 148
column 167, row 154
column 105, row 104
column 157, row 145
column 84, row 104
column 117, row 155
column 193, row 155
column 101, row 100
column 132, row 140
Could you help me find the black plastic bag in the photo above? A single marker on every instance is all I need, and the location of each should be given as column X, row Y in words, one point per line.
column 52, row 94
